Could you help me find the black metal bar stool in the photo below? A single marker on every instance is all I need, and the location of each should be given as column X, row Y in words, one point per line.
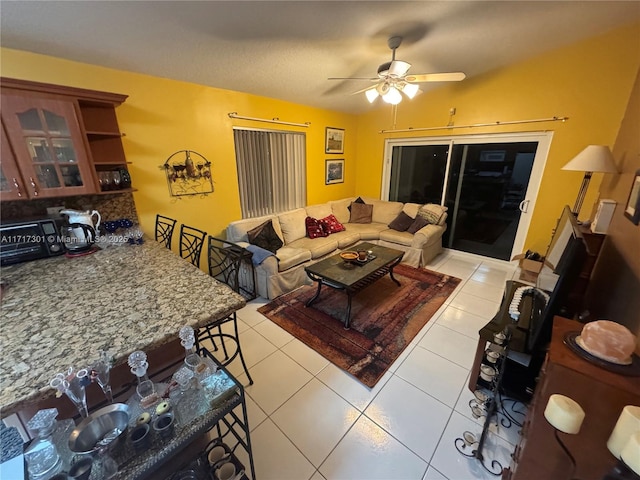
column 231, row 264
column 164, row 230
column 191, row 243
column 213, row 331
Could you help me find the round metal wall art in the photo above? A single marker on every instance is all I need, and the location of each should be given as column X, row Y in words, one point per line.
column 188, row 173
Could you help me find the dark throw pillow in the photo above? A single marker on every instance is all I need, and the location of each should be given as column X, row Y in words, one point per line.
column 401, row 222
column 314, row 228
column 264, row 236
column 360, row 213
column 331, row 224
column 357, row 200
column 417, row 224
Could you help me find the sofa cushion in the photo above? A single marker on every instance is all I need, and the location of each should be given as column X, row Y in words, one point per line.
column 432, row 213
column 330, row 224
column 314, row 228
column 340, row 208
column 417, row 224
column 318, row 247
column 289, row 257
column 345, row 239
column 394, row 236
column 383, row 211
column 319, row 211
column 401, row 222
column 367, row 231
column 264, row 236
column 292, row 225
column 360, row 213
column 411, row 209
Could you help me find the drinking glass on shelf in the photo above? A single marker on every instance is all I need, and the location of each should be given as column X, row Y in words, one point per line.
column 105, row 180
column 116, row 179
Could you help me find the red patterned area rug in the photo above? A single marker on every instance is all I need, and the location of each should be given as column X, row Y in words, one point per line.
column 384, row 319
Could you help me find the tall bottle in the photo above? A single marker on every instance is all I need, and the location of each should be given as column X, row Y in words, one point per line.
column 43, row 459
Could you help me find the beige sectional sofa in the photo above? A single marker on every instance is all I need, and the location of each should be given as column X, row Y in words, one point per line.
column 284, row 271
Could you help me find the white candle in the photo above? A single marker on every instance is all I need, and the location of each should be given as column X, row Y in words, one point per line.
column 630, row 454
column 628, row 423
column 564, row 413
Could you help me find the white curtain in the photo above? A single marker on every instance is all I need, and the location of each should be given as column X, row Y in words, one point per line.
column 271, row 171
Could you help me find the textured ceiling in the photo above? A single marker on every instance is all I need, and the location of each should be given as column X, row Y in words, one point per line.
column 287, row 50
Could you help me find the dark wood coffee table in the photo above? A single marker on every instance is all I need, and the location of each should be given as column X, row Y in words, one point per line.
column 353, row 277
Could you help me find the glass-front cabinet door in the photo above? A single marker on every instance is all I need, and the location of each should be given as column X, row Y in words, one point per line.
column 11, row 183
column 48, row 145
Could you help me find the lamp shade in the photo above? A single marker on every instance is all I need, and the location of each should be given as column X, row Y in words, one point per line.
column 410, row 89
column 594, row 158
column 392, row 96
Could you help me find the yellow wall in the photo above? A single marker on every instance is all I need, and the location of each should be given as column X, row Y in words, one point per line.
column 590, row 82
column 163, row 116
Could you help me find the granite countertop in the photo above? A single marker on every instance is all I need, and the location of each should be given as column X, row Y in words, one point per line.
column 60, row 311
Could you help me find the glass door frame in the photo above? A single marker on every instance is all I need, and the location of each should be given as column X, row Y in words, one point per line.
column 527, row 206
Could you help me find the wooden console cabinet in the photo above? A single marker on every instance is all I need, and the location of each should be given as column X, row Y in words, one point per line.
column 602, row 395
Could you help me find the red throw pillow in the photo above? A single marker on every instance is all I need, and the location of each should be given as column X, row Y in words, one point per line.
column 314, row 228
column 331, row 224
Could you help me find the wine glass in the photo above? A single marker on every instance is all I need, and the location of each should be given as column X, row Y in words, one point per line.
column 100, row 373
column 72, row 384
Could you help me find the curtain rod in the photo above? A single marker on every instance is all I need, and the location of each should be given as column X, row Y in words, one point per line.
column 273, row 120
column 494, row 124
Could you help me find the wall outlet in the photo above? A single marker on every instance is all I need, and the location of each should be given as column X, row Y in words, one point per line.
column 54, row 210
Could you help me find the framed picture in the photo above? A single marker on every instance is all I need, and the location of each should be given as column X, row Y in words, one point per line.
column 334, row 171
column 632, row 210
column 334, row 140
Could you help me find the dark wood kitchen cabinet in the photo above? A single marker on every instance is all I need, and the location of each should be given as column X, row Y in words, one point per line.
column 60, row 138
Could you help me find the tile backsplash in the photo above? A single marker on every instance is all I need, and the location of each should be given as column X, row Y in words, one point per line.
column 111, row 207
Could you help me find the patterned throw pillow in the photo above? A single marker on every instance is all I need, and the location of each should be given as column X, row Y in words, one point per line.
column 417, row 224
column 264, row 236
column 432, row 213
column 361, row 213
column 314, row 228
column 401, row 222
column 330, row 224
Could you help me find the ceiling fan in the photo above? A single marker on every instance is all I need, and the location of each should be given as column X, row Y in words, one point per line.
column 393, row 78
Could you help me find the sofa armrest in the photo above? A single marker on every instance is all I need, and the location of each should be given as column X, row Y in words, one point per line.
column 427, row 235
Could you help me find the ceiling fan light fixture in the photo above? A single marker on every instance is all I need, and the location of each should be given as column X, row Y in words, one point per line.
column 382, row 88
column 392, row 96
column 372, row 94
column 410, row 89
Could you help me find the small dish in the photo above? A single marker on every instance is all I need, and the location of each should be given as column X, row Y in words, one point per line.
column 349, row 256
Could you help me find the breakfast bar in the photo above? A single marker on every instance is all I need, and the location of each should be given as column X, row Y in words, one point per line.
column 60, row 312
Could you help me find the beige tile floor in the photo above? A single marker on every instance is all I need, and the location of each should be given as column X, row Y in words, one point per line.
column 310, row 420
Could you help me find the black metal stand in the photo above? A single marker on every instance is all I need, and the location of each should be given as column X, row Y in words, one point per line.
column 490, row 405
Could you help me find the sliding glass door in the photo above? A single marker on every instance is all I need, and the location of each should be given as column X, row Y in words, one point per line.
column 488, row 183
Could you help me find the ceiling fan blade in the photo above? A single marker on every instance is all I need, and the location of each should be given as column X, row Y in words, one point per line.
column 373, row 79
column 364, row 90
column 436, row 77
column 398, row 68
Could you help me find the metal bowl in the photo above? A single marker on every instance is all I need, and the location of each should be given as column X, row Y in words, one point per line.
column 102, row 429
